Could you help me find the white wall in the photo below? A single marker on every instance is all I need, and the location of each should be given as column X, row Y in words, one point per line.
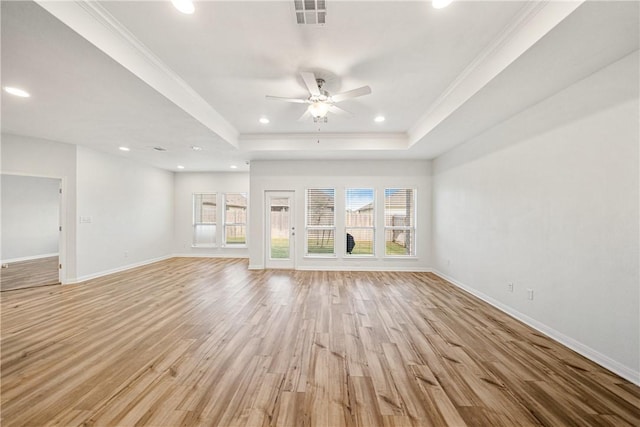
column 187, row 183
column 555, row 210
column 130, row 208
column 38, row 157
column 300, row 175
column 30, row 217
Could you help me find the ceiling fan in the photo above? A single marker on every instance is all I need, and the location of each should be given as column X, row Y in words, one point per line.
column 320, row 101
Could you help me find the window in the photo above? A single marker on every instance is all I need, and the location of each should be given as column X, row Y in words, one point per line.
column 320, row 221
column 399, row 221
column 235, row 218
column 359, row 221
column 204, row 219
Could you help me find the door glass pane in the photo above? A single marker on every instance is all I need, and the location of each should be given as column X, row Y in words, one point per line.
column 280, row 224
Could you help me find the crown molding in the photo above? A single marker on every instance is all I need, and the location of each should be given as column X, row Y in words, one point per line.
column 324, row 141
column 535, row 19
column 329, row 135
column 93, row 22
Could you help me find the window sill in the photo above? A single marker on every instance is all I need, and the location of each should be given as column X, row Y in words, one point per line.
column 400, row 257
column 321, row 256
column 232, row 246
column 372, row 257
column 204, row 246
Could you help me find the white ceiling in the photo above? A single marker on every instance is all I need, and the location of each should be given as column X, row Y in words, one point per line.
column 141, row 74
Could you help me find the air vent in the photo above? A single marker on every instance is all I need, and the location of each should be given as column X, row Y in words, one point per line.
column 159, row 148
column 311, row 12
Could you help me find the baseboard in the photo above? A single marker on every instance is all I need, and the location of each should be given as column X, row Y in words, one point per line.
column 28, row 258
column 606, row 362
column 116, row 270
column 225, row 255
column 407, row 269
column 351, row 268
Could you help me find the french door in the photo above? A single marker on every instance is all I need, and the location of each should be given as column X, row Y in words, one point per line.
column 280, row 229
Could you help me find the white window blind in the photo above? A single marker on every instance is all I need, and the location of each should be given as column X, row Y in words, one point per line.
column 399, row 221
column 320, row 221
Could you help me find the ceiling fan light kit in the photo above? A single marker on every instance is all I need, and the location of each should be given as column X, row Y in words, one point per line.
column 319, row 109
column 320, row 101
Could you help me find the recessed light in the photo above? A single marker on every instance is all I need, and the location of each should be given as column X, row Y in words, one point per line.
column 196, row 148
column 379, row 119
column 184, row 6
column 17, row 92
column 124, row 148
column 180, row 167
column 264, row 120
column 233, row 167
column 439, row 4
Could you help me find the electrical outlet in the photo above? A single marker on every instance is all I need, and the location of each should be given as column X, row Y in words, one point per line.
column 510, row 286
column 126, row 254
column 448, row 262
column 530, row 294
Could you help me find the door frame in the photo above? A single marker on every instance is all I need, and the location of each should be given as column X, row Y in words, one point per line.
column 289, row 263
column 62, row 220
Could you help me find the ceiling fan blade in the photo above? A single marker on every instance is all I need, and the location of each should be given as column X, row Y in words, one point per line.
column 311, row 83
column 364, row 90
column 279, row 98
column 305, row 116
column 340, row 111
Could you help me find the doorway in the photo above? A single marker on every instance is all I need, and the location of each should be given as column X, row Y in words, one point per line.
column 31, row 229
column 280, row 229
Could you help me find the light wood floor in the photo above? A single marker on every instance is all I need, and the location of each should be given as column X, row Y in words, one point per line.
column 206, row 342
column 28, row 274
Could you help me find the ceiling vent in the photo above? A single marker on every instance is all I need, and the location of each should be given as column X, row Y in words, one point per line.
column 311, row 12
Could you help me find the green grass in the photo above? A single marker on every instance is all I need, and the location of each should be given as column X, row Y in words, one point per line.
column 279, row 248
column 236, row 240
column 315, row 246
column 396, row 249
column 365, row 248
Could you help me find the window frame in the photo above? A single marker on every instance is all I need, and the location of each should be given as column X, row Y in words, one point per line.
column 308, row 228
column 372, row 227
column 411, row 228
column 226, row 224
column 195, row 224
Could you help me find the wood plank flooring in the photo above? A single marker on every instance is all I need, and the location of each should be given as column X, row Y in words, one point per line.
column 190, row 342
column 29, row 274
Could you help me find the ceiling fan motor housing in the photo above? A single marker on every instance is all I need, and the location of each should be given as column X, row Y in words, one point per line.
column 324, row 95
column 320, row 101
